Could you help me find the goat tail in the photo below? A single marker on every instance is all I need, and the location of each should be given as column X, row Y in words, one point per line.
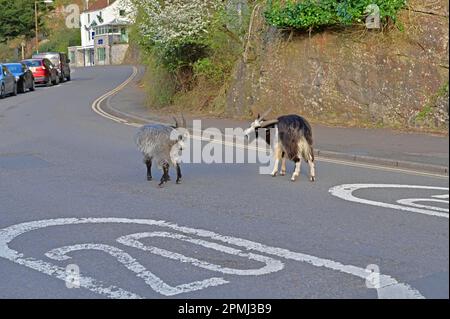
column 307, row 132
column 306, row 149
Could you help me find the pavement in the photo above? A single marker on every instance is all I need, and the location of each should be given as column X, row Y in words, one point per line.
column 78, row 219
column 386, row 147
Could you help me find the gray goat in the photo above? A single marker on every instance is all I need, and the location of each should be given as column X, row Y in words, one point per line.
column 161, row 144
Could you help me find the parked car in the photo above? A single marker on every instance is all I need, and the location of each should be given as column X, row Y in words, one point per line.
column 59, row 60
column 44, row 71
column 24, row 76
column 8, row 84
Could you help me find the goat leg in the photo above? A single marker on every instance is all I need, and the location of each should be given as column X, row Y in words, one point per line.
column 283, row 164
column 148, row 163
column 165, row 177
column 178, row 173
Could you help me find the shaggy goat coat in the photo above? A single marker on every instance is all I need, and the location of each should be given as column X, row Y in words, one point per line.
column 155, row 143
column 295, row 135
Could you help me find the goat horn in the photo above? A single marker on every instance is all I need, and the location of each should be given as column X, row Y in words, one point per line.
column 176, row 122
column 184, row 120
column 268, row 123
column 266, row 113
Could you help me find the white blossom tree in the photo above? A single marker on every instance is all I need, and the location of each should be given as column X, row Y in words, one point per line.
column 170, row 23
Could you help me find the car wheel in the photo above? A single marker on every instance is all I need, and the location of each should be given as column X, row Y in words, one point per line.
column 2, row 91
column 56, row 82
column 21, row 87
column 49, row 82
column 14, row 93
column 33, row 86
column 62, row 78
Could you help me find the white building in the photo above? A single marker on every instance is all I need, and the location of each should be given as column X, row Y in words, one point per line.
column 104, row 33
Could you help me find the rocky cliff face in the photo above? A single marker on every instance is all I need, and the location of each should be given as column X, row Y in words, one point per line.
column 354, row 76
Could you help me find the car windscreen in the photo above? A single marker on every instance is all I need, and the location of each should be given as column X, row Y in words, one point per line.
column 54, row 58
column 15, row 68
column 33, row 63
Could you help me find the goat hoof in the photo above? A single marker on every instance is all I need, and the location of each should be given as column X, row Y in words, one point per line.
column 274, row 174
column 283, row 173
column 178, row 181
column 162, row 182
column 149, row 178
column 293, row 179
column 312, row 179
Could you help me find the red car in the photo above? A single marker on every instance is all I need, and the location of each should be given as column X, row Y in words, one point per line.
column 44, row 71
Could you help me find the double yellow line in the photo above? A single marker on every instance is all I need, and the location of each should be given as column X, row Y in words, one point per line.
column 96, row 105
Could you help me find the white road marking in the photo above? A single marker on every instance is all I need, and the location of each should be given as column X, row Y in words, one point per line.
column 129, row 262
column 441, row 196
column 271, row 265
column 413, row 202
column 389, row 287
column 346, row 192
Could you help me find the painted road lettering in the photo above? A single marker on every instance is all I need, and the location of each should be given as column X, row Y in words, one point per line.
column 406, row 205
column 387, row 286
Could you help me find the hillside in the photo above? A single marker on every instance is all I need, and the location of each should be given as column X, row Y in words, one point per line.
column 351, row 77
column 17, row 27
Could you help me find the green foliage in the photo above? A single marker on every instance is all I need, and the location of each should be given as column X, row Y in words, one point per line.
column 224, row 47
column 208, row 69
column 61, row 39
column 313, row 14
column 6, row 53
column 17, row 18
column 443, row 90
column 424, row 113
column 159, row 83
column 204, row 59
column 430, row 106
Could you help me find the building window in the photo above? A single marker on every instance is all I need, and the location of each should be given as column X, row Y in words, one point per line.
column 101, row 54
column 72, row 57
column 123, row 35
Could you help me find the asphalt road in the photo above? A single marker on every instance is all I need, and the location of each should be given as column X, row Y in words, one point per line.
column 73, row 192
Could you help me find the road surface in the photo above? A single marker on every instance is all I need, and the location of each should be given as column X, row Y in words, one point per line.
column 79, row 220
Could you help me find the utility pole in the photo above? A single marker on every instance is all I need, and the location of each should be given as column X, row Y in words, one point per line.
column 36, row 25
column 22, row 44
column 36, row 20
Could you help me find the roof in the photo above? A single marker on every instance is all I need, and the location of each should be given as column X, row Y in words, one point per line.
column 98, row 5
column 114, row 22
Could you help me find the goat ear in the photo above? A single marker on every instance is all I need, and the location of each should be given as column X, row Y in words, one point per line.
column 259, row 116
